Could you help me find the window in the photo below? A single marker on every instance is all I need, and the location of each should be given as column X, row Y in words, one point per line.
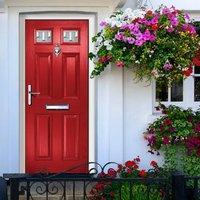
column 184, row 93
column 197, row 84
column 169, row 94
column 43, row 36
column 70, row 36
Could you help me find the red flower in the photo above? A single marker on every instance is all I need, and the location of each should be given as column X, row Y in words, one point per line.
column 120, row 63
column 168, row 122
column 153, row 163
column 101, row 175
column 129, row 171
column 112, row 194
column 166, row 140
column 129, row 164
column 99, row 186
column 112, row 173
column 154, row 27
column 143, row 173
column 188, row 72
column 149, row 13
column 135, row 166
column 196, row 61
column 137, row 159
column 197, row 128
column 120, row 167
column 104, row 59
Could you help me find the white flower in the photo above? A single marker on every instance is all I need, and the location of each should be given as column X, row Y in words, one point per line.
column 109, row 47
column 107, row 42
column 137, row 62
column 99, row 40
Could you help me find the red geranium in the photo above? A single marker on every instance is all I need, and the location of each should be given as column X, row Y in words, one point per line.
column 188, row 72
column 143, row 173
column 112, row 173
column 154, row 163
column 129, row 164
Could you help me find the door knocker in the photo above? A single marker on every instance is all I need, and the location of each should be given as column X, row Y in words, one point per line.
column 57, row 50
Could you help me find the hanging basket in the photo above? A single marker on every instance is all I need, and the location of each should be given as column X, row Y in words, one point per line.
column 157, row 44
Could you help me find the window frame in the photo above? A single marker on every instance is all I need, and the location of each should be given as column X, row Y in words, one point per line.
column 188, row 95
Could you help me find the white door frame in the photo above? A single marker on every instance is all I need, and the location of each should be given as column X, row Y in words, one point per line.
column 64, row 16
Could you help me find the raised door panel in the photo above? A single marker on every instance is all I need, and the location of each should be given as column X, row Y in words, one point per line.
column 43, row 74
column 71, row 137
column 43, row 137
column 71, row 71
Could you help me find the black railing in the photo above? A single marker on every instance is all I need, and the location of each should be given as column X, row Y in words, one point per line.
column 88, row 188
column 91, row 186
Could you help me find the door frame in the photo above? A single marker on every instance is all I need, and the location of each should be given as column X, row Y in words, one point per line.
column 91, row 104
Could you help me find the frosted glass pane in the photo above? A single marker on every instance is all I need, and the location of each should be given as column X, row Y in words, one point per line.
column 43, row 36
column 70, row 36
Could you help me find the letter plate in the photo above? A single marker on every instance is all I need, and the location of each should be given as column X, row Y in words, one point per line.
column 57, row 107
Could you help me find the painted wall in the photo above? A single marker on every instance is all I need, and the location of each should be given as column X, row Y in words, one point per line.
column 123, row 107
column 192, row 5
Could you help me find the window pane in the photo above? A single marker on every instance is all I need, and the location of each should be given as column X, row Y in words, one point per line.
column 70, row 36
column 43, row 36
column 196, row 88
column 177, row 92
column 161, row 92
column 197, row 70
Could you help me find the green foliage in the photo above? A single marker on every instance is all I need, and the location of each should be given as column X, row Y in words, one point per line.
column 177, row 135
column 177, row 159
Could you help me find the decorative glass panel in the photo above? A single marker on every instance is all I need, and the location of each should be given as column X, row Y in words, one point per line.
column 43, row 36
column 196, row 88
column 177, row 92
column 161, row 92
column 70, row 36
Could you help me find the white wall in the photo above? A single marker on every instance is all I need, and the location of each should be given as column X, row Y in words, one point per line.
column 192, row 5
column 4, row 124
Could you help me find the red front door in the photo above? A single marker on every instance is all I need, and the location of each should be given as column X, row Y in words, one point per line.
column 56, row 95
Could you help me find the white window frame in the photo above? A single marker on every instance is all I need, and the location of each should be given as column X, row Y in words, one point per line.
column 188, row 95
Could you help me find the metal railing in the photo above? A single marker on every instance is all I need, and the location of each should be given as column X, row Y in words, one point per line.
column 94, row 186
column 91, row 186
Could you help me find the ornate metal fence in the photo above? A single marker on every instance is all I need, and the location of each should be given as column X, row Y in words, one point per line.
column 89, row 186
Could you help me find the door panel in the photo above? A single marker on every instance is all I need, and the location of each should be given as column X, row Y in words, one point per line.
column 71, row 72
column 57, row 69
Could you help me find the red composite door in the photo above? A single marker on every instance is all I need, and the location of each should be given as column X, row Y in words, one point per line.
column 56, row 95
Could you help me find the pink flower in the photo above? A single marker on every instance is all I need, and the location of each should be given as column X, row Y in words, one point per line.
column 120, row 64
column 139, row 42
column 168, row 66
column 119, row 36
column 130, row 40
column 103, row 23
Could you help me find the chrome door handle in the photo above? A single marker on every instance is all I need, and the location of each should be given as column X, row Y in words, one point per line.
column 30, row 93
